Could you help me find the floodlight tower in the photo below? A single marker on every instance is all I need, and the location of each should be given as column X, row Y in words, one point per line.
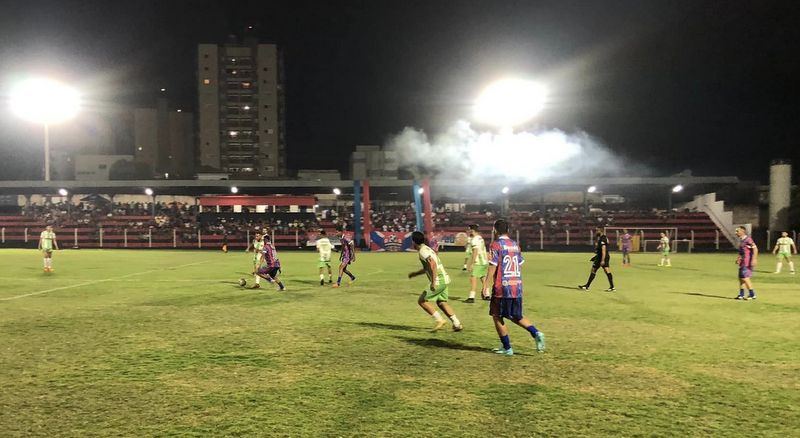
column 47, row 102
column 508, row 103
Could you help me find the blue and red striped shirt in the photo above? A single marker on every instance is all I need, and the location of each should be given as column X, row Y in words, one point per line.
column 270, row 255
column 746, row 252
column 347, row 250
column 505, row 254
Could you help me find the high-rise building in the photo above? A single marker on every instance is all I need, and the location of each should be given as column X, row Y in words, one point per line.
column 164, row 140
column 241, row 109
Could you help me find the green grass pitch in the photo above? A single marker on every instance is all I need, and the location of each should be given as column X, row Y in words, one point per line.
column 165, row 343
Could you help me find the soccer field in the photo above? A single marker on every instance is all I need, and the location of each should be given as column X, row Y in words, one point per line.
column 147, row 343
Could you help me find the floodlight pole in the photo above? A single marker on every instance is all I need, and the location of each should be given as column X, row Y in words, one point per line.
column 46, row 152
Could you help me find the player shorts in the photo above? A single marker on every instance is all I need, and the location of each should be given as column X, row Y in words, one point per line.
column 625, row 250
column 266, row 270
column 324, row 264
column 745, row 272
column 440, row 294
column 784, row 254
column 510, row 308
column 479, row 271
column 345, row 261
column 47, row 250
column 665, row 252
column 596, row 262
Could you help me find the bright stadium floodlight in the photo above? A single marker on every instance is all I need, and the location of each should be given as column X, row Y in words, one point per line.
column 591, row 189
column 505, row 190
column 234, row 189
column 148, row 191
column 47, row 102
column 677, row 189
column 336, row 191
column 510, row 102
column 63, row 192
column 420, row 190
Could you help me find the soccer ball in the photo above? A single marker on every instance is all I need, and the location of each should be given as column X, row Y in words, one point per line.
column 242, row 282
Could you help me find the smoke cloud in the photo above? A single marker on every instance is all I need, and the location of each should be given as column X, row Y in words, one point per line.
column 462, row 153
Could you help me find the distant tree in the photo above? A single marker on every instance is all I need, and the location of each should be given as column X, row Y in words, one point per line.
column 129, row 170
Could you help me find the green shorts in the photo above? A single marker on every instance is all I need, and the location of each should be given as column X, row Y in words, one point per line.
column 324, row 264
column 782, row 254
column 480, row 271
column 440, row 294
column 665, row 252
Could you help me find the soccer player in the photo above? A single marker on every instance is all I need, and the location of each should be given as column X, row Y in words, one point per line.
column 747, row 260
column 437, row 291
column 48, row 243
column 257, row 246
column 270, row 266
column 784, row 248
column 601, row 259
column 324, row 247
column 505, row 261
column 346, row 257
column 663, row 245
column 478, row 264
column 626, row 247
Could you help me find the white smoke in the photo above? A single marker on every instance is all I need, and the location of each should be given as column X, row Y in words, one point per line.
column 463, row 153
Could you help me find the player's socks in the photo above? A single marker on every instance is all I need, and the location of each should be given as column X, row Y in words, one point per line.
column 590, row 280
column 455, row 320
column 339, row 281
column 472, row 294
column 791, row 267
column 506, row 342
column 610, row 280
column 778, row 268
column 258, row 279
column 741, row 294
column 752, row 295
column 437, row 316
column 280, row 285
column 533, row 330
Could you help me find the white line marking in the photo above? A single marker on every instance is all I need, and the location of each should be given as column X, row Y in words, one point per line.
column 100, row 281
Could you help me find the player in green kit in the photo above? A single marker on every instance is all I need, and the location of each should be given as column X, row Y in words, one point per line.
column 467, row 253
column 437, row 291
column 47, row 244
column 324, row 247
column 478, row 263
column 784, row 248
column 257, row 246
column 663, row 245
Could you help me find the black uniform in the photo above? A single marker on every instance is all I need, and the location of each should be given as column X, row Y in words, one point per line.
column 602, row 241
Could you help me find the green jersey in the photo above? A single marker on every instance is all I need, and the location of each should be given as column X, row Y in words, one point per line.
column 425, row 252
column 479, row 248
column 258, row 246
column 664, row 244
column 785, row 245
column 47, row 240
column 324, row 247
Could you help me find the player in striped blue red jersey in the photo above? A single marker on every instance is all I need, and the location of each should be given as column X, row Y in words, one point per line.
column 346, row 257
column 747, row 260
column 504, row 280
column 270, row 265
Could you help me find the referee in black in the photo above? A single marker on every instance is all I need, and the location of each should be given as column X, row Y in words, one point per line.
column 600, row 260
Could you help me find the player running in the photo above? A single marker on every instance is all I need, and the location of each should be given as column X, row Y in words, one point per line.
column 346, row 257
column 257, row 246
column 48, row 243
column 437, row 291
column 506, row 289
column 663, row 245
column 626, row 239
column 747, row 260
column 270, row 266
column 478, row 264
column 324, row 247
column 601, row 259
column 784, row 248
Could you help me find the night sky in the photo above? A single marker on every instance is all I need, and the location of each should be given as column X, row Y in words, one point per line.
column 711, row 86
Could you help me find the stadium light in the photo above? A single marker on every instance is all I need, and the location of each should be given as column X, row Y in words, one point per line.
column 505, row 190
column 44, row 101
column 234, row 189
column 336, row 191
column 148, row 191
column 63, row 192
column 420, row 190
column 677, row 189
column 510, row 102
column 591, row 189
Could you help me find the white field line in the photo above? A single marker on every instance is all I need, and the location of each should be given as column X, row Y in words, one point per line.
column 99, row 281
